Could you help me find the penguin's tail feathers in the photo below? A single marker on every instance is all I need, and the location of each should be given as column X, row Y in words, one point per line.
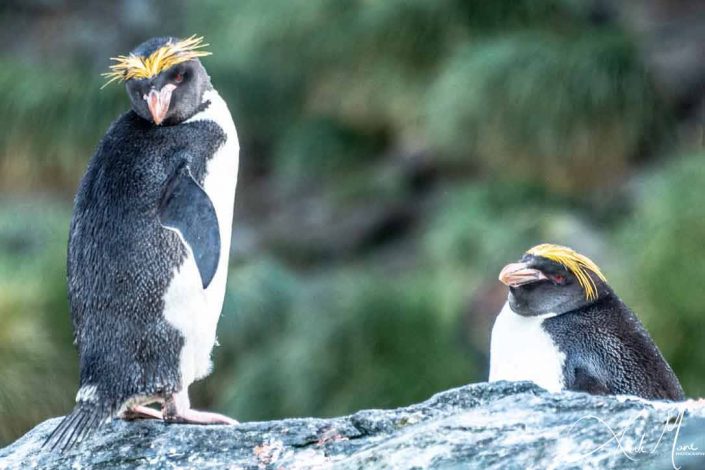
column 86, row 417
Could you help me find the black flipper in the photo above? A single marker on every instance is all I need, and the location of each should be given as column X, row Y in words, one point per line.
column 186, row 207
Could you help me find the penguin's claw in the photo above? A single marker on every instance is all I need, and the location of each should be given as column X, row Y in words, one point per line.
column 141, row 412
column 199, row 417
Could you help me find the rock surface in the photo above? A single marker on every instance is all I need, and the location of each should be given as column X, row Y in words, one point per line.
column 496, row 425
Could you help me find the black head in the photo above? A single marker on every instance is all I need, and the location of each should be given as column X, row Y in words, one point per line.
column 164, row 78
column 552, row 279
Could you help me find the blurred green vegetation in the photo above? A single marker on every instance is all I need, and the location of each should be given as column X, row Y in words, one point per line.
column 49, row 122
column 547, row 108
column 667, row 258
column 395, row 154
column 37, row 361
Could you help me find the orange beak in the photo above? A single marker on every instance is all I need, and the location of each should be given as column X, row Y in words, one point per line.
column 518, row 274
column 158, row 102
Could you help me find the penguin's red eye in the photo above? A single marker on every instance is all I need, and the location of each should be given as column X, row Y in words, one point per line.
column 558, row 278
column 178, row 78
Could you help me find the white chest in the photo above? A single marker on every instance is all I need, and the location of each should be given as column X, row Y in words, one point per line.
column 219, row 183
column 522, row 350
column 195, row 311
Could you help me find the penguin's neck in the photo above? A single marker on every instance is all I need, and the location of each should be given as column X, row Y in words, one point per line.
column 213, row 108
column 521, row 349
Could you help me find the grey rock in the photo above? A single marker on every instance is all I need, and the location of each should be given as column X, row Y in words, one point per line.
column 488, row 425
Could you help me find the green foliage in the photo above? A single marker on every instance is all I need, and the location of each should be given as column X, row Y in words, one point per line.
column 561, row 110
column 666, row 269
column 481, row 226
column 323, row 147
column 35, row 334
column 317, row 85
column 375, row 65
column 333, row 344
column 51, row 123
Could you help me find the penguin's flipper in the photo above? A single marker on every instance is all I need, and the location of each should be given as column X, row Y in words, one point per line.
column 584, row 381
column 186, row 208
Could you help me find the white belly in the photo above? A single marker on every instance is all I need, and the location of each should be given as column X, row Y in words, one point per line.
column 195, row 311
column 522, row 350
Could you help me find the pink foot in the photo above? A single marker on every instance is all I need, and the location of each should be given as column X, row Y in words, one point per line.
column 141, row 412
column 177, row 409
column 199, row 417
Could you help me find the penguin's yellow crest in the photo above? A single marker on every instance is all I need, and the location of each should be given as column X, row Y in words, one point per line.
column 170, row 54
column 577, row 264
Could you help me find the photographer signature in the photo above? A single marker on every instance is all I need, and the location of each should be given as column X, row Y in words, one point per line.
column 632, row 451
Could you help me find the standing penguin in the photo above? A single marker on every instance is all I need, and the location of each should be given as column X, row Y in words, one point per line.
column 565, row 329
column 149, row 243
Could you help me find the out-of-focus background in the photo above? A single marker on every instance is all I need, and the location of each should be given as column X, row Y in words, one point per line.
column 395, row 154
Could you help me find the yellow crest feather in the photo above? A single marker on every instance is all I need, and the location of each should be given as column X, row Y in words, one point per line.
column 577, row 264
column 170, row 54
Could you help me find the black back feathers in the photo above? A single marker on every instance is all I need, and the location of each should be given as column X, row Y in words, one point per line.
column 608, row 350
